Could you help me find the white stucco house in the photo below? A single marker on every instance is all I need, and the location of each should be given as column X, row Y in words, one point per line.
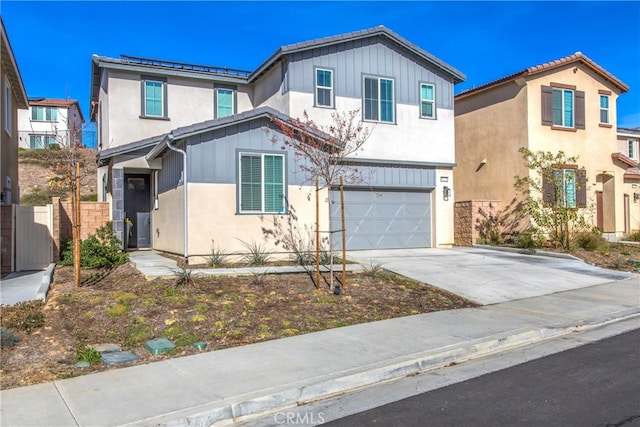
column 50, row 121
column 185, row 151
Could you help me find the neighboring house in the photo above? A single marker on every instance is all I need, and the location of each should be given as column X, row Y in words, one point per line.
column 162, row 124
column 50, row 121
column 565, row 105
column 629, row 146
column 629, row 143
column 12, row 99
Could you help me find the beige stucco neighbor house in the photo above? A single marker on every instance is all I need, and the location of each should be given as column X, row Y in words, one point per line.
column 50, row 121
column 186, row 152
column 12, row 98
column 565, row 105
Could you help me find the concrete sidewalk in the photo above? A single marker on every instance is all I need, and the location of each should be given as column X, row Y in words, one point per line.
column 238, row 382
column 26, row 286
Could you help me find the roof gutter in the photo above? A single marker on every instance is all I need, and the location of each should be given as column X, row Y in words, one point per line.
column 169, row 140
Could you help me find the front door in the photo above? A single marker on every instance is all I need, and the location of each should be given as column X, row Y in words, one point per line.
column 137, row 208
column 599, row 211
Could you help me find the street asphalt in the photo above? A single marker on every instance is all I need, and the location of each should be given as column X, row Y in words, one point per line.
column 238, row 383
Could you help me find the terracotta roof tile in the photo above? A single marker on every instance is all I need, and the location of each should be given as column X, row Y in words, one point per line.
column 624, row 159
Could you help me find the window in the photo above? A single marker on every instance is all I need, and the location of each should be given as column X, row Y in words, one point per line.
column 224, row 102
column 563, row 107
column 41, row 141
column 427, row 101
column 262, row 188
column 49, row 114
column 632, row 149
column 604, row 109
column 565, row 187
column 379, row 103
column 154, row 97
column 8, row 116
column 324, row 87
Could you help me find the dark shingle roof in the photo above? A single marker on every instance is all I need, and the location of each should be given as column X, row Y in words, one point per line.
column 104, row 155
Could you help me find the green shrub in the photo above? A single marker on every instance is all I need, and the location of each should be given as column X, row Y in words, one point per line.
column 257, row 253
column 40, row 196
column 588, row 240
column 87, row 354
column 529, row 240
column 8, row 338
column 98, row 250
column 89, row 198
column 24, row 316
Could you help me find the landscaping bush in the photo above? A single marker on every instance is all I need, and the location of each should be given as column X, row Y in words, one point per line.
column 633, row 237
column 589, row 241
column 24, row 316
column 8, row 338
column 99, row 250
column 529, row 240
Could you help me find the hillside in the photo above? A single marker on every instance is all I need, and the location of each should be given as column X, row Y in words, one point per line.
column 37, row 167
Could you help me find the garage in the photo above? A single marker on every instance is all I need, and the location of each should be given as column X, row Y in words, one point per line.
column 384, row 219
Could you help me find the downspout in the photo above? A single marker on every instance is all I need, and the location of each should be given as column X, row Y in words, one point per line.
column 185, row 195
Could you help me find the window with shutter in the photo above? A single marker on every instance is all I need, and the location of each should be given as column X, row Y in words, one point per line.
column 262, row 183
column 565, row 187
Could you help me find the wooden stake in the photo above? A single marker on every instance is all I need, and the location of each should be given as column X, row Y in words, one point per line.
column 76, row 226
column 344, row 237
column 317, row 236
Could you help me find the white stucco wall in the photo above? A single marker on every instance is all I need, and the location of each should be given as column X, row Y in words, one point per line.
column 167, row 225
column 442, row 210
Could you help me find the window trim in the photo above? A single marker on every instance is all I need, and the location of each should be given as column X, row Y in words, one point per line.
column 8, row 107
column 434, row 116
column 379, row 79
column 234, row 99
column 332, row 96
column 261, row 153
column 143, row 97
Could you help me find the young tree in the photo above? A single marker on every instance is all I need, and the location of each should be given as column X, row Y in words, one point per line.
column 322, row 152
column 555, row 195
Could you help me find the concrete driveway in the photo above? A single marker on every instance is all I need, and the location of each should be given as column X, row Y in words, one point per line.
column 488, row 276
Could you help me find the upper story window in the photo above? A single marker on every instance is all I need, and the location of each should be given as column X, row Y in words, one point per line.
column 262, row 183
column 49, row 114
column 224, row 101
column 427, row 101
column 324, row 87
column 379, row 101
column 8, row 109
column 154, row 97
column 563, row 107
column 632, row 149
column 565, row 187
column 604, row 108
column 41, row 141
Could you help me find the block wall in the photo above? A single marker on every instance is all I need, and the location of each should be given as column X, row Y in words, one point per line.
column 467, row 216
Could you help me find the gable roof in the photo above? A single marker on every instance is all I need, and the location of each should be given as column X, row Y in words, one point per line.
column 547, row 66
column 53, row 102
column 10, row 67
column 380, row 30
column 104, row 155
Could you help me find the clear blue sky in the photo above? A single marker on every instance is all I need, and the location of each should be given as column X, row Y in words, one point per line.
column 53, row 41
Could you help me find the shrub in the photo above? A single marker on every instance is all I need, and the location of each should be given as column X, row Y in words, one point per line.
column 257, row 253
column 99, row 250
column 8, row 338
column 589, row 241
column 529, row 240
column 218, row 256
column 633, row 237
column 24, row 316
column 41, row 196
column 87, row 354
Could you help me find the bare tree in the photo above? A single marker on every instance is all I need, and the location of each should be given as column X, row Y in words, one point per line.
column 325, row 152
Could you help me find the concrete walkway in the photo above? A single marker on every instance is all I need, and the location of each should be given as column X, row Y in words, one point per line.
column 25, row 286
column 243, row 381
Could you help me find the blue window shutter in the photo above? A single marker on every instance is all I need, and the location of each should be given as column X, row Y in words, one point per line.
column 250, row 183
column 273, row 184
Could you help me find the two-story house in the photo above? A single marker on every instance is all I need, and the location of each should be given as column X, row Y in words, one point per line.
column 13, row 98
column 566, row 105
column 186, row 151
column 50, row 121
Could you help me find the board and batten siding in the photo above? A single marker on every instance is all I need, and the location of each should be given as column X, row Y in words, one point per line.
column 377, row 57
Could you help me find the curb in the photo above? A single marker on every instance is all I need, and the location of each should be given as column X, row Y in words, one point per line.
column 527, row 252
column 243, row 408
column 46, row 282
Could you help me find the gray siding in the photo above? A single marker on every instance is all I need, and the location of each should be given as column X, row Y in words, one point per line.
column 374, row 56
column 171, row 172
column 394, row 176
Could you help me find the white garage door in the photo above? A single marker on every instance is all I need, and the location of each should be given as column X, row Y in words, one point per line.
column 384, row 219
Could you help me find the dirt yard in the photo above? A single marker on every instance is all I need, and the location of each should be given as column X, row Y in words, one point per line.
column 123, row 308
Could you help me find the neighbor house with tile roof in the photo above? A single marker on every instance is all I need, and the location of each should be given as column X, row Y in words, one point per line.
column 186, row 152
column 50, row 121
column 566, row 105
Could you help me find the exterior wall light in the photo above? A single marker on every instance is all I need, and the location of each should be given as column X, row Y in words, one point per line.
column 446, row 192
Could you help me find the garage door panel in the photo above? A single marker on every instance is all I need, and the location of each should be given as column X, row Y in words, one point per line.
column 384, row 219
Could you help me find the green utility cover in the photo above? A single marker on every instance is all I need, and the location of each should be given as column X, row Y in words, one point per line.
column 159, row 345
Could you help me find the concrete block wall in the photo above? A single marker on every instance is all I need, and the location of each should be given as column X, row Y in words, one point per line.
column 6, row 241
column 467, row 215
column 92, row 216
